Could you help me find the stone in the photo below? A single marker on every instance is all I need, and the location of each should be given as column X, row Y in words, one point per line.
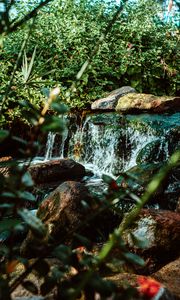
column 109, row 102
column 62, row 213
column 56, row 171
column 161, row 230
column 169, row 275
column 166, row 196
column 142, row 285
column 135, row 102
column 150, row 153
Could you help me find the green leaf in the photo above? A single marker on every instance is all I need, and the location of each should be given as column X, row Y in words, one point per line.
column 9, row 224
column 6, row 205
column 56, row 273
column 3, row 135
column 61, row 108
column 83, row 240
column 47, row 286
column 4, row 235
column 140, row 243
column 54, row 124
column 4, row 289
column 45, row 92
column 27, row 196
column 27, row 180
column 35, row 224
column 30, row 286
column 42, row 267
column 107, row 179
column 8, row 195
column 63, row 253
column 133, row 258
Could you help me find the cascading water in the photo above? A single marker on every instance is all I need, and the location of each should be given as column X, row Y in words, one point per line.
column 110, row 143
column 110, row 148
column 49, row 146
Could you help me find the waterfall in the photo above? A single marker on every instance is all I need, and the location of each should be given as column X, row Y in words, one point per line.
column 110, row 143
column 107, row 149
column 49, row 146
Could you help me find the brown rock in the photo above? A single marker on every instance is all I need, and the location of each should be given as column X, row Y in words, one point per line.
column 169, row 275
column 110, row 102
column 161, row 229
column 56, row 170
column 62, row 213
column 146, row 102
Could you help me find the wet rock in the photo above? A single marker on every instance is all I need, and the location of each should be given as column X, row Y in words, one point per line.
column 161, row 229
column 166, row 196
column 56, row 171
column 151, row 153
column 142, row 174
column 146, row 102
column 169, row 275
column 110, row 102
column 62, row 212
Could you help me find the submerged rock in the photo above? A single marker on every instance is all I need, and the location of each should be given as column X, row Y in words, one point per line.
column 110, row 102
column 146, row 102
column 56, row 171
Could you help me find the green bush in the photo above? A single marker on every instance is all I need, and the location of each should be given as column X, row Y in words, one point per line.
column 140, row 51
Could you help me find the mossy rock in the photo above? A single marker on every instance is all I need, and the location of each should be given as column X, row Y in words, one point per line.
column 151, row 153
column 134, row 102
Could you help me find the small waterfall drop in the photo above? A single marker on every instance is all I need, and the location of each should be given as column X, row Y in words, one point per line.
column 108, row 149
column 110, row 143
column 49, row 146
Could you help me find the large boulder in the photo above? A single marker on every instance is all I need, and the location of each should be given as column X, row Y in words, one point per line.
column 161, row 229
column 56, row 171
column 62, row 212
column 169, row 276
column 110, row 102
column 146, row 102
